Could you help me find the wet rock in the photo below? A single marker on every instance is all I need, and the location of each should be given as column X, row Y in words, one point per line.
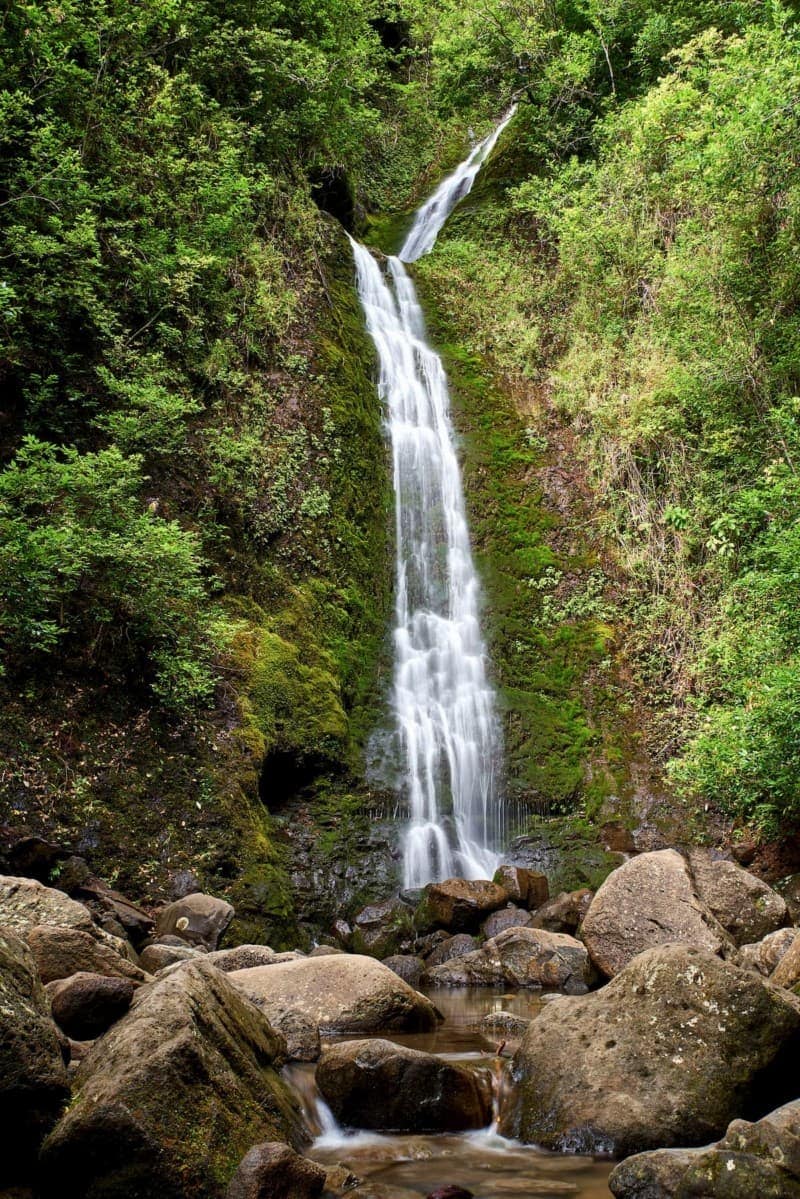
column 764, row 955
column 340, row 1179
column 458, row 905
column 33, row 1079
column 449, row 948
column 172, row 1096
column 520, row 957
column 382, row 929
column 649, row 901
column 407, row 967
column 157, row 957
column 199, row 919
column 744, row 905
column 244, row 957
column 379, row 1085
column 528, row 888
column 787, row 971
column 664, row 1055
column 301, row 1034
column 274, row 1171
column 345, row 993
column 503, row 1028
column 61, row 952
column 565, row 913
column 86, row 1005
column 752, row 1160
column 510, row 917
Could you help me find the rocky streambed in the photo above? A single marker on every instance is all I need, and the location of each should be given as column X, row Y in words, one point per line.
column 479, row 1036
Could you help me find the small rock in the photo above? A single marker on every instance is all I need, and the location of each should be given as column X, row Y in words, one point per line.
column 340, row 1179
column 458, row 904
column 61, row 952
column 407, row 967
column 321, row 951
column 86, row 1005
column 379, row 1085
column 565, row 913
column 510, row 917
column 653, row 1175
column 765, row 955
column 342, row 932
column 157, row 957
column 787, row 971
column 520, row 957
column 245, row 957
column 617, row 838
column 381, row 929
column 199, row 919
column 450, row 947
column 274, row 1171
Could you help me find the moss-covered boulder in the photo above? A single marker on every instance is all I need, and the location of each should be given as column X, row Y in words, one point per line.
column 169, row 1101
column 666, row 1054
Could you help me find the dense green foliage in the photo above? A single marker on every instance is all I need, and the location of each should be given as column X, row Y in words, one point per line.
column 634, row 251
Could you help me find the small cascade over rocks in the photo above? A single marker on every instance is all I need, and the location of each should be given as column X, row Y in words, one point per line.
column 444, row 705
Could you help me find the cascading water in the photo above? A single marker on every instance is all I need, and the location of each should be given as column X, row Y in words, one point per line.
column 444, row 705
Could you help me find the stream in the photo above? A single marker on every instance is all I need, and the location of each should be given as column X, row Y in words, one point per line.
column 482, row 1162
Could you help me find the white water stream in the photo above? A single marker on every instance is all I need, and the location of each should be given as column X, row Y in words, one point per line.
column 443, row 702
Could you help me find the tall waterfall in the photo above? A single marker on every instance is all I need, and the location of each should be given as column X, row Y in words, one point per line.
column 444, row 705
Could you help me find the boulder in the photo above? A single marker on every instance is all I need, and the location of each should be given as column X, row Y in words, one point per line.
column 665, row 1055
column 451, row 947
column 503, row 918
column 33, row 1079
column 172, row 1097
column 86, row 1005
column 752, row 1160
column 520, row 957
column 343, row 993
column 407, row 967
column 503, row 1028
column 744, row 905
column 157, row 957
column 382, row 929
column 274, row 1171
column 136, row 923
column 199, row 919
column 526, row 887
column 458, row 905
column 379, row 1085
column 565, row 913
column 649, row 901
column 25, row 903
column 60, row 952
column 763, row 956
column 244, row 957
column 787, row 971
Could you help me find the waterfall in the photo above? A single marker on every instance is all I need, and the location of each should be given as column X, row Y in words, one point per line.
column 443, row 703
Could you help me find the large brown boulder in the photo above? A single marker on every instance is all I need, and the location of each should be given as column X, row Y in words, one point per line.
column 60, row 952
column 33, row 1080
column 383, row 929
column 274, row 1171
column 383, row 1086
column 565, row 913
column 526, row 887
column 85, row 1006
column 171, row 1098
column 453, row 947
column 520, row 957
column 340, row 993
column 458, row 905
column 649, row 901
column 666, row 1054
column 752, row 1161
column 744, row 905
column 197, row 918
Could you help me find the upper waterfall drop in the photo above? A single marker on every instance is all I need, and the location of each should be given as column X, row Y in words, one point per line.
column 444, row 705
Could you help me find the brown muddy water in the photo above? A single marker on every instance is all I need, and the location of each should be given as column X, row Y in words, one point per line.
column 482, row 1162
